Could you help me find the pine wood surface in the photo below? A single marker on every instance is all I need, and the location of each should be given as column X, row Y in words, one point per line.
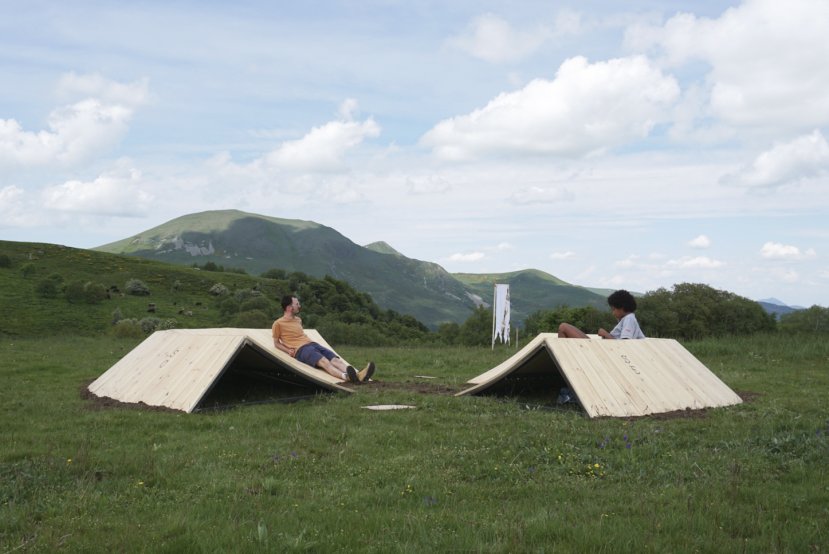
column 177, row 367
column 620, row 378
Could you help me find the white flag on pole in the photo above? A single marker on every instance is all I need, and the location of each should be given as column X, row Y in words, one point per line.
column 500, row 328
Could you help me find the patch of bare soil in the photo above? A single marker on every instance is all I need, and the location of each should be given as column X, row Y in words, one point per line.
column 420, row 388
column 97, row 403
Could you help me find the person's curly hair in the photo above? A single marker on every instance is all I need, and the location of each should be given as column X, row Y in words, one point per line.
column 287, row 300
column 623, row 300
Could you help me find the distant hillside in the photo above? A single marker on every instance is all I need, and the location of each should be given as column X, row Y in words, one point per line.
column 48, row 290
column 257, row 243
column 418, row 288
column 777, row 309
column 531, row 290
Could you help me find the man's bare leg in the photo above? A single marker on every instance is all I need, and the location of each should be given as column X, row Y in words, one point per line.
column 335, row 367
column 567, row 331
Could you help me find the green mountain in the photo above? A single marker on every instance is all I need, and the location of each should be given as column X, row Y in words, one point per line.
column 424, row 290
column 48, row 290
column 257, row 243
column 531, row 290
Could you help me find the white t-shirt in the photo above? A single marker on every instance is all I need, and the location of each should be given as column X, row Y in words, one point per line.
column 627, row 328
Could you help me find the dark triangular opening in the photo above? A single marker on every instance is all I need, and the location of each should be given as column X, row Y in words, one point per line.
column 537, row 381
column 253, row 377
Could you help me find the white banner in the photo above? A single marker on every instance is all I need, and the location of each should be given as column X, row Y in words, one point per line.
column 500, row 314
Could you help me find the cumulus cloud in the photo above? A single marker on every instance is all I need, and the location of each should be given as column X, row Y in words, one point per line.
column 562, row 255
column 698, row 262
column 12, row 209
column 587, row 108
column 323, row 148
column 114, row 194
column 804, row 157
column 466, row 257
column 78, row 131
column 701, row 241
column 491, row 38
column 540, row 195
column 767, row 60
column 778, row 251
column 111, row 92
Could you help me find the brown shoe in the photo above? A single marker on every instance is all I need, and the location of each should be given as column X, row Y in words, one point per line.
column 366, row 373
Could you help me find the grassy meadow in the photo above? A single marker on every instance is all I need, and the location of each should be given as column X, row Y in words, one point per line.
column 477, row 474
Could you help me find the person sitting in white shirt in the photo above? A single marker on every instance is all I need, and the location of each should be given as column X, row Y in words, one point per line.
column 622, row 305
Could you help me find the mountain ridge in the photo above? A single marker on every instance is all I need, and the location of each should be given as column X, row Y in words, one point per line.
column 423, row 289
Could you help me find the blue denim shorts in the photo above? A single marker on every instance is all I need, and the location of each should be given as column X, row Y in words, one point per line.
column 312, row 352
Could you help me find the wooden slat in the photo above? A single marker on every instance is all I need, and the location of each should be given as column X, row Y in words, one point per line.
column 514, row 361
column 622, row 378
column 176, row 368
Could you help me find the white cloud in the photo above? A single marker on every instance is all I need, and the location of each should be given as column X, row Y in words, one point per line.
column 629, row 262
column 701, row 241
column 698, row 262
column 116, row 194
column 77, row 131
column 562, row 255
column 468, row 257
column 491, row 38
column 767, row 60
column 12, row 208
column 804, row 157
column 427, row 184
column 323, row 148
column 97, row 86
column 587, row 108
column 503, row 246
column 540, row 195
column 778, row 251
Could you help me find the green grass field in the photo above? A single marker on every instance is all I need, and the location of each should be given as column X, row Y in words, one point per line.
column 453, row 474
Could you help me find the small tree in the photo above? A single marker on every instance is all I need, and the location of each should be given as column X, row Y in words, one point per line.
column 137, row 287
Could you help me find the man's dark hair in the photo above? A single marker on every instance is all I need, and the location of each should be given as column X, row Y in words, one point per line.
column 623, row 300
column 287, row 300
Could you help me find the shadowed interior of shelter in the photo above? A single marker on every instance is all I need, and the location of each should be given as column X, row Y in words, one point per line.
column 252, row 378
column 538, row 380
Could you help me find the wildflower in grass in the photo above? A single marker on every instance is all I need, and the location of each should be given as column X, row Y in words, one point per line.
column 68, row 461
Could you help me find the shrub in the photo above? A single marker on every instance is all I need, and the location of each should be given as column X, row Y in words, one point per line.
column 49, row 287
column 219, row 290
column 128, row 328
column 28, row 270
column 94, row 293
column 149, row 324
column 117, row 316
column 812, row 320
column 137, row 287
column 695, row 311
column 256, row 303
column 253, row 319
column 5, row 261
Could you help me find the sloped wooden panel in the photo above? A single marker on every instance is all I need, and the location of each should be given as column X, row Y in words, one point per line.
column 621, row 378
column 177, row 367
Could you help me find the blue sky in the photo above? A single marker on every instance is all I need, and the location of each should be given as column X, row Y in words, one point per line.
column 612, row 144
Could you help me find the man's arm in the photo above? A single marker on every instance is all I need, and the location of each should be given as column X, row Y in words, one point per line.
column 279, row 345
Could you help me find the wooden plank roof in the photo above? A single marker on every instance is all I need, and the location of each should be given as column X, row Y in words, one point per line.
column 177, row 367
column 618, row 378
